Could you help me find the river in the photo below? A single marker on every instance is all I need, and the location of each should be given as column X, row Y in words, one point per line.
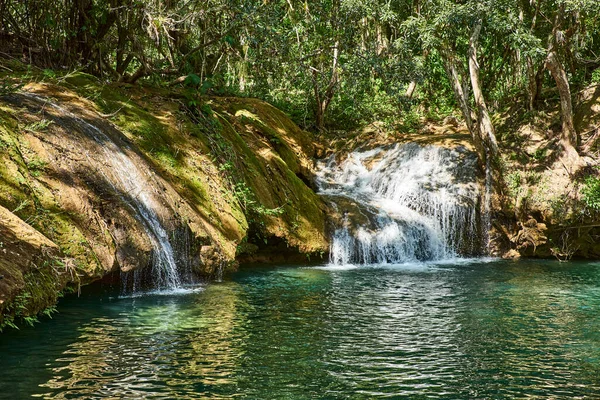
column 464, row 329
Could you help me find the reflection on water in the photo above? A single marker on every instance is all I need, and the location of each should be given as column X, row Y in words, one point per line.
column 474, row 330
column 154, row 347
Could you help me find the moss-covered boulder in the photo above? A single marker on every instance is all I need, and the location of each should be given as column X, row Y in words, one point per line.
column 32, row 271
column 229, row 177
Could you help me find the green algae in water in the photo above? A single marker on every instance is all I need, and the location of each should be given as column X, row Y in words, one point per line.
column 470, row 330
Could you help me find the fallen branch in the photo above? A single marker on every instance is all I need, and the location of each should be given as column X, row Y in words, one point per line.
column 574, row 227
column 587, row 146
column 112, row 114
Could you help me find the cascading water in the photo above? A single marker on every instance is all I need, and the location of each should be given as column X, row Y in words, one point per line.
column 406, row 203
column 132, row 184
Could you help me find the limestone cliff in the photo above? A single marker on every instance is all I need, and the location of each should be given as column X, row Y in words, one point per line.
column 226, row 177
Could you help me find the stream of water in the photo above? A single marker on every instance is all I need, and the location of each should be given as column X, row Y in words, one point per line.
column 476, row 329
column 136, row 187
column 403, row 203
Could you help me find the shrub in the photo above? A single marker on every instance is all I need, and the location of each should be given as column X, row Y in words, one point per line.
column 591, row 192
column 596, row 76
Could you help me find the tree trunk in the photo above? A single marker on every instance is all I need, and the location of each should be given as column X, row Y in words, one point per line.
column 569, row 134
column 411, row 89
column 534, row 77
column 82, row 42
column 459, row 93
column 534, row 82
column 485, row 128
column 323, row 101
column 462, row 98
column 531, row 85
column 568, row 138
column 243, row 70
column 319, row 112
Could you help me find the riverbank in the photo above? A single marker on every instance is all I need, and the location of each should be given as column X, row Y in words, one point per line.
column 230, row 180
column 228, row 177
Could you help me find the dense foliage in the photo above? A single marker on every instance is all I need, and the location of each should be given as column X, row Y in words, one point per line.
column 333, row 63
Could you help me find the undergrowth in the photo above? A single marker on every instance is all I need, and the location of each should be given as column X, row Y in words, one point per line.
column 227, row 159
column 591, row 192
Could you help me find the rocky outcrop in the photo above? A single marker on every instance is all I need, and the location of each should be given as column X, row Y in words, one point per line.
column 226, row 177
column 539, row 207
column 32, row 271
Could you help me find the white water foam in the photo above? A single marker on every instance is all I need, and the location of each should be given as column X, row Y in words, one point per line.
column 429, row 266
column 408, row 203
column 179, row 291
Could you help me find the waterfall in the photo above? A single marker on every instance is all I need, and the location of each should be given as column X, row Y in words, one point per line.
column 401, row 204
column 134, row 186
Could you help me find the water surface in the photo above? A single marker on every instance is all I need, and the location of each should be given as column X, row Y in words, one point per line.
column 455, row 330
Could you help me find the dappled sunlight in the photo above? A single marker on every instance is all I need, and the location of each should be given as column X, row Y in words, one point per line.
column 189, row 341
column 439, row 329
column 391, row 163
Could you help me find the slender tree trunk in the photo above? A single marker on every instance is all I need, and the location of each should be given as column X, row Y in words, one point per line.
column 83, row 42
column 461, row 95
column 534, row 82
column 381, row 39
column 323, row 101
column 557, row 70
column 533, row 75
column 569, row 134
column 243, row 70
column 531, row 86
column 485, row 128
column 410, row 90
column 319, row 113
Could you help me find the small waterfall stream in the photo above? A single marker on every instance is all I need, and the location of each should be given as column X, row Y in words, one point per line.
column 401, row 204
column 134, row 187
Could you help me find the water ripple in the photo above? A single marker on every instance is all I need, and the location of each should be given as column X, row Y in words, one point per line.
column 468, row 330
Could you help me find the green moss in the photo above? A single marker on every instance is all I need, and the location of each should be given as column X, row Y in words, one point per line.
column 286, row 205
column 132, row 118
column 274, row 138
column 32, row 201
column 43, row 286
column 233, row 171
column 36, row 167
column 591, row 192
column 81, row 81
column 13, row 184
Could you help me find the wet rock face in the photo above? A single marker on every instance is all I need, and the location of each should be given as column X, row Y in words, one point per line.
column 118, row 203
column 111, row 193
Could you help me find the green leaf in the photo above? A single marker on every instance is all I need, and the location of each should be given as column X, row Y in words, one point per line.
column 229, row 40
column 206, row 85
column 192, row 80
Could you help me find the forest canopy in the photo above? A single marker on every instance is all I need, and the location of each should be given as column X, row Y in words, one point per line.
column 332, row 64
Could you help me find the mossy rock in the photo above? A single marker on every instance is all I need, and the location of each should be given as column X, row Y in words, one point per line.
column 199, row 162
